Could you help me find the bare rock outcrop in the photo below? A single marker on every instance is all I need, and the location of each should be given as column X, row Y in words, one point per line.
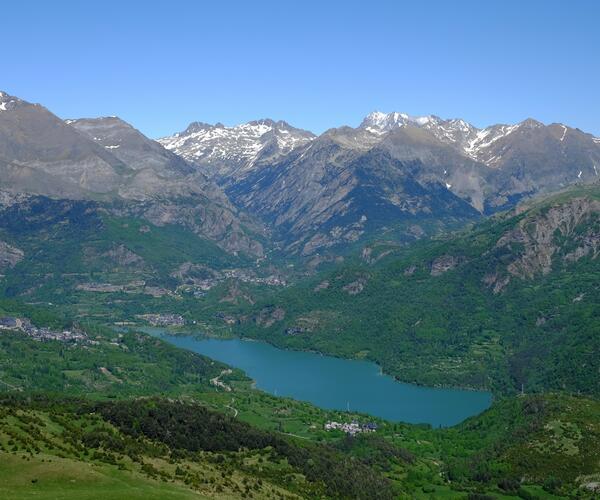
column 356, row 286
column 324, row 285
column 545, row 238
column 268, row 316
column 443, row 264
column 540, row 238
column 194, row 274
column 123, row 257
column 10, row 256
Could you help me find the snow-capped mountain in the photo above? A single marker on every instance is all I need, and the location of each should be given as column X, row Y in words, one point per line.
column 489, row 145
column 320, row 191
column 456, row 132
column 225, row 152
column 7, row 102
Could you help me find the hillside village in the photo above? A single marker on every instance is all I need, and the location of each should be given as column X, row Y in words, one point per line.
column 25, row 326
column 351, row 428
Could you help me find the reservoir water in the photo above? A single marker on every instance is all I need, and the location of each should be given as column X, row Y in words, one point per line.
column 335, row 383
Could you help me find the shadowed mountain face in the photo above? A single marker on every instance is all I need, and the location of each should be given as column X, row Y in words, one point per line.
column 107, row 160
column 330, row 194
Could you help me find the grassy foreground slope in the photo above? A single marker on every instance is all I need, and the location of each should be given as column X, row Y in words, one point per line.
column 529, row 447
column 173, row 448
column 512, row 303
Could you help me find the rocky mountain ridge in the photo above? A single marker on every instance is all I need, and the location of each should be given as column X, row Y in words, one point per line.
column 229, row 152
column 325, row 193
column 106, row 160
column 311, row 192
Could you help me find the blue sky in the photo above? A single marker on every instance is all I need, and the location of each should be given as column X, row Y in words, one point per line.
column 161, row 65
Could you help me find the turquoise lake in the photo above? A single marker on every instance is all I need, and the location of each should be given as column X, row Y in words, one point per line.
column 335, row 383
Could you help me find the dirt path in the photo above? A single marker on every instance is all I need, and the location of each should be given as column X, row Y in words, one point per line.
column 218, row 383
column 13, row 387
column 235, row 412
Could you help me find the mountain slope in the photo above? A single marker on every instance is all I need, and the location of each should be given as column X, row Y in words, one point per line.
column 534, row 158
column 107, row 160
column 338, row 188
column 524, row 159
column 511, row 303
column 39, row 153
column 310, row 191
column 129, row 145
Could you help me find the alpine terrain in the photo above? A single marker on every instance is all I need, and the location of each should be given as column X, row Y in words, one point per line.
column 457, row 258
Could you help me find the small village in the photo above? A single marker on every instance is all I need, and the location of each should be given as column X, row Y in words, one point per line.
column 138, row 286
column 351, row 428
column 162, row 319
column 248, row 277
column 25, row 326
column 195, row 287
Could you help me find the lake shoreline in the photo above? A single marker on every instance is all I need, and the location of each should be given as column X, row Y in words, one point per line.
column 334, row 382
column 205, row 335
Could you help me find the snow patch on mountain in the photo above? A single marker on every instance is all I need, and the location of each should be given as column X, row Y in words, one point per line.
column 378, row 122
column 482, row 145
column 455, row 132
column 6, row 101
column 484, row 139
column 235, row 149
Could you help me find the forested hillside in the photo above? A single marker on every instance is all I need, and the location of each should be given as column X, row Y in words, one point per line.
column 510, row 304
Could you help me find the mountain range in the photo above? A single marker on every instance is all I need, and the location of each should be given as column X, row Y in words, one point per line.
column 268, row 182
column 319, row 192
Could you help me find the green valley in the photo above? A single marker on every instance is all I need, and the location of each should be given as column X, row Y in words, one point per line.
column 509, row 304
column 408, row 308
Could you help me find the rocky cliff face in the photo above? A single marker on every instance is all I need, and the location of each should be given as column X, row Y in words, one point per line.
column 223, row 224
column 9, row 256
column 332, row 192
column 547, row 238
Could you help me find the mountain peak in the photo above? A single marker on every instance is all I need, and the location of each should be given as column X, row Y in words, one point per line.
column 106, row 120
column 5, row 96
column 224, row 150
column 388, row 121
column 194, row 127
column 8, row 101
column 531, row 123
